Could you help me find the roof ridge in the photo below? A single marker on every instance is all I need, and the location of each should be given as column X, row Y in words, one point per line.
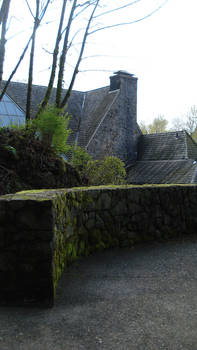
column 40, row 86
column 164, row 133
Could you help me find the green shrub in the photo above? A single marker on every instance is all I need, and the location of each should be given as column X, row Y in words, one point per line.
column 80, row 159
column 52, row 127
column 108, row 171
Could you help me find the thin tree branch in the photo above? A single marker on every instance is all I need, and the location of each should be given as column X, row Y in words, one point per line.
column 117, row 9
column 29, row 8
column 15, row 69
column 44, row 10
column 132, row 22
column 50, row 53
column 76, row 70
column 96, row 70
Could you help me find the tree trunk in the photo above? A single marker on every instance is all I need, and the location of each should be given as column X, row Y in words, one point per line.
column 3, row 20
column 54, row 63
column 76, row 70
column 31, row 63
column 63, row 56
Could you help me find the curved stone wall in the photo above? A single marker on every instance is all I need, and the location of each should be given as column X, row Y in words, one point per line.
column 41, row 232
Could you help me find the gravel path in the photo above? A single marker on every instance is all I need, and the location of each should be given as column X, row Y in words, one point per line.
column 142, row 298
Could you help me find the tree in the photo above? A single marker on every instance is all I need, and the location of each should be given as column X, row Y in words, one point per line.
column 191, row 120
column 158, row 125
column 37, row 19
column 4, row 11
column 81, row 19
column 188, row 123
column 52, row 128
column 55, row 59
column 178, row 124
column 94, row 12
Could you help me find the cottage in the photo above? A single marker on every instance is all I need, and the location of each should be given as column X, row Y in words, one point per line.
column 104, row 122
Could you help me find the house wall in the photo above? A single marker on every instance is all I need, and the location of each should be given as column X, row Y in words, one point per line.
column 118, row 133
column 41, row 232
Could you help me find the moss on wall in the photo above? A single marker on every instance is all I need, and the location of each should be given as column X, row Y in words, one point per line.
column 70, row 223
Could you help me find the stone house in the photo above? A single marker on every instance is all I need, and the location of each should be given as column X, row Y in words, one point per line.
column 104, row 122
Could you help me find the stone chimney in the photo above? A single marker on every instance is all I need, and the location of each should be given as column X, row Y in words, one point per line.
column 127, row 111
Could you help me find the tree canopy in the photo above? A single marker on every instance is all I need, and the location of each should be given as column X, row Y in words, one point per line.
column 159, row 124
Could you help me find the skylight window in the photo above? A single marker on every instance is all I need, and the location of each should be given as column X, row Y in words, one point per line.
column 10, row 112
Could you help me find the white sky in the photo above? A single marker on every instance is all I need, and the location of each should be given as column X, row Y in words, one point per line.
column 161, row 51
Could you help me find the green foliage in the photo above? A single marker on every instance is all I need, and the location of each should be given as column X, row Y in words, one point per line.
column 52, row 127
column 80, row 159
column 110, row 170
column 159, row 124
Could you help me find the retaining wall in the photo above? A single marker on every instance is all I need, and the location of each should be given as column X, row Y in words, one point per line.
column 43, row 231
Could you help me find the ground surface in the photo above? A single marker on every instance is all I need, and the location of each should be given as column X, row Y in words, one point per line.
column 144, row 298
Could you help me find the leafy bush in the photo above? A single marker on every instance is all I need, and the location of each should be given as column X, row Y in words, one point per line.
column 80, row 159
column 52, row 127
column 108, row 171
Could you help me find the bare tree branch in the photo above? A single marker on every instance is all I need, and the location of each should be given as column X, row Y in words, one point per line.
column 117, row 8
column 49, row 52
column 29, row 8
column 76, row 70
column 132, row 22
column 15, row 69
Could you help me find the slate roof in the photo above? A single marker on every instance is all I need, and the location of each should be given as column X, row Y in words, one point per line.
column 164, row 158
column 18, row 92
column 168, row 145
column 92, row 118
column 163, row 172
column 89, row 107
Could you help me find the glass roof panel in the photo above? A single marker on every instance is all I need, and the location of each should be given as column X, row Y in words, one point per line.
column 3, row 109
column 10, row 112
column 5, row 98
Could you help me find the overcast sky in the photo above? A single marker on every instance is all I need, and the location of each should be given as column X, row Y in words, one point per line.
column 161, row 51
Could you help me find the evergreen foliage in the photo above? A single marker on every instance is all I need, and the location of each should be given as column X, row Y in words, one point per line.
column 52, row 126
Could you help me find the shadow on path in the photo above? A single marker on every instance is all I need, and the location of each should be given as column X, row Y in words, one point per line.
column 140, row 298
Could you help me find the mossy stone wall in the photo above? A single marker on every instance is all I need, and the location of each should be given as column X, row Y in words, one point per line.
column 41, row 232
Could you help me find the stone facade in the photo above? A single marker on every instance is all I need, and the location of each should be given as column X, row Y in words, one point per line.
column 43, row 231
column 118, row 133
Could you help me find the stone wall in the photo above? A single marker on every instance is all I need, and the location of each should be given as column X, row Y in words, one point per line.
column 118, row 133
column 43, row 231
